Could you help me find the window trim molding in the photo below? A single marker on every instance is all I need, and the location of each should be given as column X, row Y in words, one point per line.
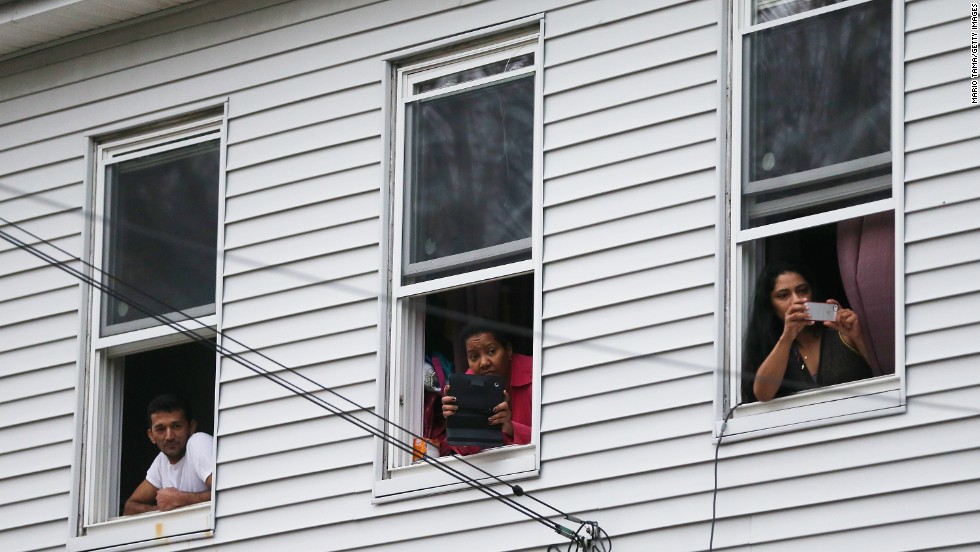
column 411, row 481
column 89, row 343
column 782, row 415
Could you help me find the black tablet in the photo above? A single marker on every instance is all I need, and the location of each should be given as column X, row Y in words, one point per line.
column 476, row 396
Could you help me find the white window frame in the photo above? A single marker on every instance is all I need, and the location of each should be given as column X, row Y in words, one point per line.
column 397, row 477
column 883, row 395
column 101, row 423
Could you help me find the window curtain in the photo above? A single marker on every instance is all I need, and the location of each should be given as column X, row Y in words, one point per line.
column 866, row 255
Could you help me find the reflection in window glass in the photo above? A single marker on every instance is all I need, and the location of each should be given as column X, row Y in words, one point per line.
column 161, row 231
column 470, row 171
column 819, row 90
column 459, row 77
column 768, row 10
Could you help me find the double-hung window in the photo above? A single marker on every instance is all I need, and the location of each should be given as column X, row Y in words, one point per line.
column 155, row 240
column 465, row 234
column 815, row 177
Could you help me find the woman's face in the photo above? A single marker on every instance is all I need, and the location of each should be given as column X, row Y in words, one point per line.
column 789, row 288
column 487, row 356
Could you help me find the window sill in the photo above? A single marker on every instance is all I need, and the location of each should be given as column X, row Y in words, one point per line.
column 870, row 398
column 508, row 463
column 146, row 530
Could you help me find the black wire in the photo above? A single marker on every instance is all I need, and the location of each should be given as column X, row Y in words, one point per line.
column 235, row 356
column 714, row 492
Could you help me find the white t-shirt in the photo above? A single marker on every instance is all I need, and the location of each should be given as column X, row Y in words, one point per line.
column 190, row 473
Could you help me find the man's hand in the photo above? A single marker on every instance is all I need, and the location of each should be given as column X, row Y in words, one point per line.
column 170, row 498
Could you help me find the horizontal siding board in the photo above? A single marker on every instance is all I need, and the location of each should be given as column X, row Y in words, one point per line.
column 625, row 374
column 944, row 129
column 353, row 343
column 52, row 353
column 320, row 270
column 304, row 299
column 941, row 282
column 645, row 141
column 38, row 536
column 948, row 159
column 39, row 306
column 623, row 118
column 299, row 435
column 335, row 374
column 633, row 229
column 643, row 78
column 304, row 166
column 948, row 219
column 942, row 252
column 53, row 150
column 692, row 39
column 938, row 39
column 42, row 458
column 922, row 14
column 635, row 343
column 936, row 70
column 38, row 382
column 293, row 463
column 612, row 319
column 292, row 409
column 624, row 33
column 315, row 135
column 306, row 192
column 297, row 490
column 285, row 117
column 50, row 227
column 33, row 486
column 584, row 15
column 54, row 200
column 629, row 287
column 43, row 430
column 938, row 99
column 943, row 190
column 652, row 168
column 48, row 177
column 310, row 218
column 937, row 345
column 629, row 258
column 49, row 405
column 319, row 323
column 42, row 330
column 928, row 380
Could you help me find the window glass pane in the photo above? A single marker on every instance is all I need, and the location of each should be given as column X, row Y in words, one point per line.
column 819, row 91
column 487, row 70
column 767, row 10
column 469, row 176
column 161, row 230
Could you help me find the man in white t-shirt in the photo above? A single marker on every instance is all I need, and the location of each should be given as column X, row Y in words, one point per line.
column 181, row 474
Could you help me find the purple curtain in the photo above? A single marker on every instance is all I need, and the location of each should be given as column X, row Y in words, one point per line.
column 866, row 254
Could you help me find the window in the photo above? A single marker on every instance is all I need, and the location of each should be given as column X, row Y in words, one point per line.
column 156, row 238
column 815, row 183
column 466, row 196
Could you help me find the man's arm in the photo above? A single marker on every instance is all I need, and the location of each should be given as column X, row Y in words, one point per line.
column 170, row 498
column 142, row 500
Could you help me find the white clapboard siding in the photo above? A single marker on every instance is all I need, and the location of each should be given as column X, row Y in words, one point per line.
column 632, row 115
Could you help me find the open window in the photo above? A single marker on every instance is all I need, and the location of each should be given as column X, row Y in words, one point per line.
column 466, row 197
column 156, row 243
column 814, row 184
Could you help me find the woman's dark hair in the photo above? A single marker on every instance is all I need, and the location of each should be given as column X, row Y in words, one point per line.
column 763, row 330
column 475, row 328
column 168, row 403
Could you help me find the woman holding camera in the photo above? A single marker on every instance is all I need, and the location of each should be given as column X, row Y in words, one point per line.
column 786, row 351
column 490, row 354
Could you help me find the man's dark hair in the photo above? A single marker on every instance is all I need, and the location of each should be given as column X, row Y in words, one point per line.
column 168, row 402
column 492, row 328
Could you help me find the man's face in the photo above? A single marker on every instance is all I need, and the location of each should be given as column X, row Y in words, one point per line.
column 169, row 432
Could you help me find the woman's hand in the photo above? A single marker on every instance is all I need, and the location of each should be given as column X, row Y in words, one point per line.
column 797, row 319
column 848, row 324
column 448, row 403
column 503, row 416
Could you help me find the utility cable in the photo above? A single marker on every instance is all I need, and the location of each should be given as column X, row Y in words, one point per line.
column 714, row 492
column 236, row 356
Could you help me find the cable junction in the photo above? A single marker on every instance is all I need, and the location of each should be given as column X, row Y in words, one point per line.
column 588, row 538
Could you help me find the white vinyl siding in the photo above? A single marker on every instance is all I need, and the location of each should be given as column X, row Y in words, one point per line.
column 632, row 112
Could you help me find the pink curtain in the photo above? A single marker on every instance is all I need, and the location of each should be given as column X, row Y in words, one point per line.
column 866, row 254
